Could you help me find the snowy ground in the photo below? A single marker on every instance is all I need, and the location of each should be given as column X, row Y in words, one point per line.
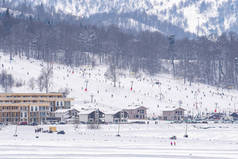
column 206, row 141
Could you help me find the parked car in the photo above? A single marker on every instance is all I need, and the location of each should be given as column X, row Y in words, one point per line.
column 38, row 130
column 34, row 124
column 173, row 138
column 50, row 131
column 157, row 82
column 62, row 123
column 23, row 123
column 61, row 132
column 45, row 131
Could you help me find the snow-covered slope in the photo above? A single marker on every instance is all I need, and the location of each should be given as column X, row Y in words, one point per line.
column 170, row 93
column 195, row 16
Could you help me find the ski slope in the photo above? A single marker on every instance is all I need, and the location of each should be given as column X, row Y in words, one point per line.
column 170, row 93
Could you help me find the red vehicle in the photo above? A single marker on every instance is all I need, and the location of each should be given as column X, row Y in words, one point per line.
column 23, row 123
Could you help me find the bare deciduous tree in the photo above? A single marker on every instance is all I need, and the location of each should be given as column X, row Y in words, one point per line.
column 44, row 80
column 32, row 83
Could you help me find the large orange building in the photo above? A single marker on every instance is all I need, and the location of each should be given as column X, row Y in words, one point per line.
column 31, row 107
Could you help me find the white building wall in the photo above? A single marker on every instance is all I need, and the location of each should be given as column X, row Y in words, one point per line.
column 108, row 118
column 83, row 118
column 60, row 115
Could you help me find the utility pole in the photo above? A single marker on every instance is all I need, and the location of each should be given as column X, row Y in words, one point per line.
column 186, row 131
column 119, row 122
column 118, row 129
column 15, row 134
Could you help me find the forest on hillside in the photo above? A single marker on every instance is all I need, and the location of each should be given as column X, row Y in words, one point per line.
column 211, row 60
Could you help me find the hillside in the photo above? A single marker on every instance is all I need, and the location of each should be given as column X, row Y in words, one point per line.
column 168, row 94
column 201, row 17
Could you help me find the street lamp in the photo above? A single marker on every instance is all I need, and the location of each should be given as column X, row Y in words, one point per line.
column 132, row 85
column 119, row 121
column 86, row 85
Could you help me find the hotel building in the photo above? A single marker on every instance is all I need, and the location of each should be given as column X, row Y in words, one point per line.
column 30, row 108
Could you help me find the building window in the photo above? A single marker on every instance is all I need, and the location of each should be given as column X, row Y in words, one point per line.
column 67, row 104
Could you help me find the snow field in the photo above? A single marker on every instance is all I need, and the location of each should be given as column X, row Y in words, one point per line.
column 208, row 141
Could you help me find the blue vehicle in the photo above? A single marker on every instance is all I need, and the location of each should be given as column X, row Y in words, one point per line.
column 61, row 132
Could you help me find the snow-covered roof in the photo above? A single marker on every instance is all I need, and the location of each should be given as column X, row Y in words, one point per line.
column 135, row 106
column 114, row 111
column 62, row 110
column 82, row 106
column 172, row 109
column 86, row 111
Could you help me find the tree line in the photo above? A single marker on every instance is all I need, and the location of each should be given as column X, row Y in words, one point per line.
column 210, row 60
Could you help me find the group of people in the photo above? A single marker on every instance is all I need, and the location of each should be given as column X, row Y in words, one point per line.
column 173, row 143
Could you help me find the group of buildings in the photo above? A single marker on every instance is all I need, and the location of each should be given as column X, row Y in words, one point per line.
column 31, row 107
column 101, row 115
column 40, row 108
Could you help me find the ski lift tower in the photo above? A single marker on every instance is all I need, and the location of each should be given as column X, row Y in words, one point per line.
column 171, row 39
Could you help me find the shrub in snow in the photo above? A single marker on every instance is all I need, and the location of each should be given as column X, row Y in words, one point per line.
column 31, row 83
column 93, row 126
